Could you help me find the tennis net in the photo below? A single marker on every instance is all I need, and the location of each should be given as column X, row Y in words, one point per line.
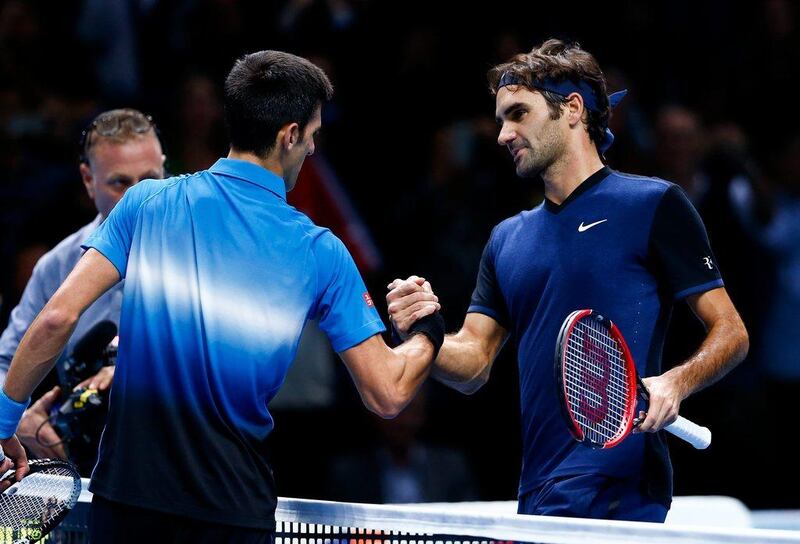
column 301, row 521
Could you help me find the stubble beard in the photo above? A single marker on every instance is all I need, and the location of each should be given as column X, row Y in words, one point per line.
column 537, row 160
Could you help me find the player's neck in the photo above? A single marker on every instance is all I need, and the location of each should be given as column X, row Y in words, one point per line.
column 570, row 170
column 269, row 163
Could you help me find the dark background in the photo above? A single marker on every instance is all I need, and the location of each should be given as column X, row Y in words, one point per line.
column 411, row 137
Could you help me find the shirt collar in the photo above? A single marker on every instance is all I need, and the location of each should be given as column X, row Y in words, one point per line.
column 587, row 184
column 253, row 173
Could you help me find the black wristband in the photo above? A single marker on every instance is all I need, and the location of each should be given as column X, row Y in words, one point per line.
column 431, row 326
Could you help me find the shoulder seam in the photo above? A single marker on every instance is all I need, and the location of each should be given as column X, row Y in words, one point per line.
column 162, row 189
column 655, row 213
column 658, row 180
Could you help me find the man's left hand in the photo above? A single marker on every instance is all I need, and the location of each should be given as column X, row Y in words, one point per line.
column 100, row 381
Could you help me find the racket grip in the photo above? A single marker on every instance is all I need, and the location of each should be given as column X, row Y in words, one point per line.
column 694, row 434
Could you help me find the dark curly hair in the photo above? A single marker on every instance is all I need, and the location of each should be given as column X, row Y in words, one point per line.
column 267, row 90
column 559, row 61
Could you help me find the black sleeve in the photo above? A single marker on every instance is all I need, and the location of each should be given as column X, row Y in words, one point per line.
column 679, row 248
column 487, row 298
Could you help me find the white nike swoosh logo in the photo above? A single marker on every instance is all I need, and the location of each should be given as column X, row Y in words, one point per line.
column 582, row 227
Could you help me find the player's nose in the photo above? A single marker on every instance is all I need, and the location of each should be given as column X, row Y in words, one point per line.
column 506, row 136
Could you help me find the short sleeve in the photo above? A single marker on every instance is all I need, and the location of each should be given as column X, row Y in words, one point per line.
column 343, row 306
column 679, row 247
column 114, row 237
column 487, row 298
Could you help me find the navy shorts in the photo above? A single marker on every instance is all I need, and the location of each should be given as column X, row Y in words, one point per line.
column 592, row 496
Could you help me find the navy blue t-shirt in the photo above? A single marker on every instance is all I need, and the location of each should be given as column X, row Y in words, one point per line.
column 626, row 246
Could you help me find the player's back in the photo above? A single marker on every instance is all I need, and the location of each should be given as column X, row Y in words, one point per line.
column 220, row 278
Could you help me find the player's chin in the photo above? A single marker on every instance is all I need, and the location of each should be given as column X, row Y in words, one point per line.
column 527, row 170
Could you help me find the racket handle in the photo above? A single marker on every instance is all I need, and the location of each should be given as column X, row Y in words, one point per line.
column 694, row 434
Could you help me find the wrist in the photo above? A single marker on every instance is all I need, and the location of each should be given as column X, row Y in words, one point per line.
column 10, row 413
column 679, row 383
column 397, row 336
column 432, row 326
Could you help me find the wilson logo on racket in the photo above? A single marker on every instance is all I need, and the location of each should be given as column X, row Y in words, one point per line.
column 594, row 399
column 599, row 387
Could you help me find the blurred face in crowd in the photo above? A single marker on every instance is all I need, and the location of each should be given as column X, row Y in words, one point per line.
column 302, row 148
column 679, row 142
column 114, row 167
column 534, row 139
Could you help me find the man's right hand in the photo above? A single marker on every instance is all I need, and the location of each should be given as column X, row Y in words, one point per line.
column 35, row 421
column 409, row 300
column 13, row 457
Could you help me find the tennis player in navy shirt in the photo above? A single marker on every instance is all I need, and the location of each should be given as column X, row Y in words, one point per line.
column 221, row 275
column 626, row 246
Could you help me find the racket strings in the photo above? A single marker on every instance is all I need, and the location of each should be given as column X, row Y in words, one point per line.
column 39, row 499
column 596, row 381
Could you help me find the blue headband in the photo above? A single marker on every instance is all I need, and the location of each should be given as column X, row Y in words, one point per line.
column 565, row 88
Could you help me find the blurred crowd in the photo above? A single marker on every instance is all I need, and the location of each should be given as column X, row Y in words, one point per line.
column 409, row 175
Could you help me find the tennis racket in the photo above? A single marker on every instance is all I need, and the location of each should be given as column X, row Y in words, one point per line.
column 599, row 385
column 33, row 507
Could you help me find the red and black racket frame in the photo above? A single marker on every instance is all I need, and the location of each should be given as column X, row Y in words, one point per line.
column 632, row 376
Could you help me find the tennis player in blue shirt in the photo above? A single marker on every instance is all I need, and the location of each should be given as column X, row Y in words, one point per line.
column 626, row 246
column 220, row 274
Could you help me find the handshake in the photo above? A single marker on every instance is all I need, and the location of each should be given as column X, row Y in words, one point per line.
column 414, row 309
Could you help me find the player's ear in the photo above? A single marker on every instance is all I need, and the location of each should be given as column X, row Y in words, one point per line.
column 289, row 136
column 574, row 108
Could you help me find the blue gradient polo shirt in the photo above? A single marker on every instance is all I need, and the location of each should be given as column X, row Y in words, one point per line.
column 221, row 275
column 626, row 246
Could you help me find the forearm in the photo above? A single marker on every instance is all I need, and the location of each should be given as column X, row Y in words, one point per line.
column 414, row 365
column 387, row 379
column 463, row 363
column 37, row 352
column 725, row 346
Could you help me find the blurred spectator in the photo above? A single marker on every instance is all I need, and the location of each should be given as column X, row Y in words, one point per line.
column 780, row 350
column 199, row 133
column 633, row 137
column 109, row 28
column 679, row 150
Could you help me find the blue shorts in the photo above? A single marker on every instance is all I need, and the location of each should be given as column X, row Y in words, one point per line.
column 592, row 496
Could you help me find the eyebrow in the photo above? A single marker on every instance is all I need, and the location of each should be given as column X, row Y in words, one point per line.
column 150, row 174
column 509, row 109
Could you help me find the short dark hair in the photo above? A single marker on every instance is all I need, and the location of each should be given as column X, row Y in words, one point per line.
column 267, row 90
column 558, row 60
column 116, row 126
